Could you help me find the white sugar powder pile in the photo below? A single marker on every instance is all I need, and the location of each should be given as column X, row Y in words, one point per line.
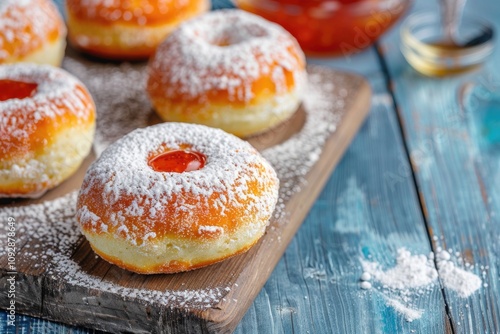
column 414, row 274
column 464, row 283
column 411, row 271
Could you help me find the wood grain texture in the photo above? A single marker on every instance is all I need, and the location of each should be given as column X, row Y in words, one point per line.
column 457, row 176
column 115, row 304
column 361, row 211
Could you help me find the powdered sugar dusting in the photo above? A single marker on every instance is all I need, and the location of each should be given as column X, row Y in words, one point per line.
column 55, row 88
column 56, row 96
column 5, row 4
column 122, row 107
column 26, row 24
column 122, row 171
column 127, row 11
column 293, row 159
column 226, row 50
column 49, row 233
column 119, row 94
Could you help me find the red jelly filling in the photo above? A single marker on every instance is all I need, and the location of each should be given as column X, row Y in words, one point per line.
column 13, row 89
column 178, row 161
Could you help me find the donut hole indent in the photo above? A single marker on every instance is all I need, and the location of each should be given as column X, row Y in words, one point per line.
column 177, row 161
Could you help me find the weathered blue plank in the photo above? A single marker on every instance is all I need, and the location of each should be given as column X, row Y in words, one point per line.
column 28, row 325
column 458, row 177
column 361, row 211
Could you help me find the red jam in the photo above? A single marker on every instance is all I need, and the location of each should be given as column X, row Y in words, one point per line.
column 13, row 89
column 178, row 161
column 330, row 27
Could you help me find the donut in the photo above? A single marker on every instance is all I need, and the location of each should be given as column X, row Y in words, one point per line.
column 47, row 121
column 126, row 29
column 31, row 31
column 174, row 197
column 228, row 69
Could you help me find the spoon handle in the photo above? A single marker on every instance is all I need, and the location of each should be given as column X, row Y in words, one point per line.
column 451, row 12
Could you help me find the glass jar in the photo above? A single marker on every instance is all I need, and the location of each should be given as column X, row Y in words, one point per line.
column 326, row 27
column 426, row 48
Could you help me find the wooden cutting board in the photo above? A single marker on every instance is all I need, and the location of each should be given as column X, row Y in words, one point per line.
column 58, row 276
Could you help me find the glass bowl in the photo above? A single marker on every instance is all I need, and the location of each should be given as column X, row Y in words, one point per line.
column 326, row 27
column 428, row 50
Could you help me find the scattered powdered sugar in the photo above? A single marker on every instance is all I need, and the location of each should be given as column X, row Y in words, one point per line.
column 119, row 94
column 49, row 232
column 27, row 25
column 315, row 273
column 409, row 313
column 293, row 159
column 42, row 229
column 415, row 275
column 366, row 276
column 365, row 285
column 190, row 298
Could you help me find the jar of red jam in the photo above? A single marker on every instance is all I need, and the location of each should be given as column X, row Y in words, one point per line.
column 326, row 27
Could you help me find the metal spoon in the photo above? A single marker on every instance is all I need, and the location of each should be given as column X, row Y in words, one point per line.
column 451, row 12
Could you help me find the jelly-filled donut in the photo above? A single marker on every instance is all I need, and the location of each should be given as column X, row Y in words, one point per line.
column 47, row 122
column 175, row 197
column 228, row 69
column 126, row 29
column 31, row 31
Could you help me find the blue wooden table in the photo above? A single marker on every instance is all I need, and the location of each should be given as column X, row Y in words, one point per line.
column 418, row 175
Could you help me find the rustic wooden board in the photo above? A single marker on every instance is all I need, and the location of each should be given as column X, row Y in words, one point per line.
column 60, row 278
column 314, row 288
